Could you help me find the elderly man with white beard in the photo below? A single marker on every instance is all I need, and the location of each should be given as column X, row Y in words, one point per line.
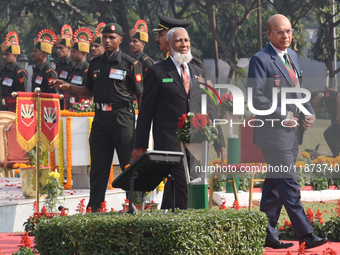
column 171, row 90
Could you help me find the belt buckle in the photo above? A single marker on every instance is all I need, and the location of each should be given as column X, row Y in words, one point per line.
column 106, row 107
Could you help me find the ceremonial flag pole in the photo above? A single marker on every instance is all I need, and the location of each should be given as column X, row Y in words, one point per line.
column 36, row 126
column 37, row 164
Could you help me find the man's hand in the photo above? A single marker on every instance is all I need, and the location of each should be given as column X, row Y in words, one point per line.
column 221, row 152
column 60, row 84
column 137, row 152
column 291, row 121
column 308, row 122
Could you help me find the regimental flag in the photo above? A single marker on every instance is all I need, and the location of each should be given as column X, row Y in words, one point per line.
column 49, row 120
column 27, row 115
column 26, row 112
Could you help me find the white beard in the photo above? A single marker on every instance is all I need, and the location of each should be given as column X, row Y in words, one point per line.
column 181, row 58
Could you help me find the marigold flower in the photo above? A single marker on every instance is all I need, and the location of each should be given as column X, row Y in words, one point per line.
column 299, row 164
column 305, row 154
column 16, row 165
column 126, row 166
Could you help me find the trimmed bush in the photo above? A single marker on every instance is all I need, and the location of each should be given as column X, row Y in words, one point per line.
column 185, row 232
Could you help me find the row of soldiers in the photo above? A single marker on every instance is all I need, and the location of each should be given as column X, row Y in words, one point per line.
column 72, row 67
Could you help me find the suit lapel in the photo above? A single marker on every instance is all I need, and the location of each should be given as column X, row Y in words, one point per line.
column 280, row 65
column 173, row 73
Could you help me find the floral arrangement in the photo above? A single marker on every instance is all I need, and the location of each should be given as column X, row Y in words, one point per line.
column 227, row 104
column 195, row 127
column 84, row 105
column 52, row 189
column 31, row 155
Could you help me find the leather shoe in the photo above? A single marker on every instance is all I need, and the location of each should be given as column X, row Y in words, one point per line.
column 275, row 244
column 312, row 241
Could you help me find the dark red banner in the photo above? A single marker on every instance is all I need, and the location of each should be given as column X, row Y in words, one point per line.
column 26, row 112
column 49, row 127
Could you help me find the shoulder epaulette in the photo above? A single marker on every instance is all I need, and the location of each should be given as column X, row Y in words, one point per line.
column 128, row 58
column 147, row 57
column 23, row 71
column 49, row 70
column 95, row 57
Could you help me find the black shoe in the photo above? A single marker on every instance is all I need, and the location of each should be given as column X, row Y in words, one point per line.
column 275, row 244
column 312, row 241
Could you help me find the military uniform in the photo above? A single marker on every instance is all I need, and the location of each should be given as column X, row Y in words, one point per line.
column 113, row 80
column 63, row 69
column 42, row 74
column 140, row 32
column 332, row 133
column 13, row 78
column 144, row 60
column 77, row 76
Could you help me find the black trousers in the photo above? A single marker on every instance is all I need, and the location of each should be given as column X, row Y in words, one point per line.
column 282, row 188
column 181, row 190
column 110, row 130
column 332, row 137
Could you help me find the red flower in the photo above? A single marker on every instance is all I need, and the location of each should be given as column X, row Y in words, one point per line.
column 227, row 97
column 25, row 241
column 287, row 223
column 302, row 249
column 310, row 216
column 318, row 216
column 282, row 228
column 63, row 213
column 199, row 121
column 236, row 205
column 222, row 206
column 89, row 210
column 182, row 120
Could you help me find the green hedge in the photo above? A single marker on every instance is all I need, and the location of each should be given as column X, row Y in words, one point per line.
column 185, row 232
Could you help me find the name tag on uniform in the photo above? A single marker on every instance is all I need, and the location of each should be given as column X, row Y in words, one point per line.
column 117, row 74
column 77, row 80
column 167, row 80
column 63, row 74
column 8, row 82
column 38, row 79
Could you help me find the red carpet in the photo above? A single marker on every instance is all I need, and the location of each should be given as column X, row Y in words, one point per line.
column 10, row 243
column 314, row 251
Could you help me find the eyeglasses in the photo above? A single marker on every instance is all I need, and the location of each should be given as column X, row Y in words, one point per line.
column 282, row 32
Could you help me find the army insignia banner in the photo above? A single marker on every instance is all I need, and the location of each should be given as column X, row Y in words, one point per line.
column 49, row 126
column 26, row 111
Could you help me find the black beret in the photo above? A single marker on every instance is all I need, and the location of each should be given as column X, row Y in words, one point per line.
column 166, row 23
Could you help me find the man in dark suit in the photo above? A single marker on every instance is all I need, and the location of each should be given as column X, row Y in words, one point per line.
column 165, row 99
column 277, row 66
column 166, row 23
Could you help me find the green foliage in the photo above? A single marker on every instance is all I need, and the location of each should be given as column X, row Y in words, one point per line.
column 30, row 224
column 24, row 251
column 185, row 232
column 32, row 155
column 83, row 106
column 52, row 189
column 195, row 127
column 332, row 228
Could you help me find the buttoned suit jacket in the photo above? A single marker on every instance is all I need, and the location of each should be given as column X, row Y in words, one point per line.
column 264, row 68
column 164, row 101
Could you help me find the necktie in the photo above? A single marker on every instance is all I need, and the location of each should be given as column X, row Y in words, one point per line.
column 285, row 57
column 290, row 69
column 186, row 79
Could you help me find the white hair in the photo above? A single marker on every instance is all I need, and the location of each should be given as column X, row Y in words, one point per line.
column 172, row 30
column 181, row 58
